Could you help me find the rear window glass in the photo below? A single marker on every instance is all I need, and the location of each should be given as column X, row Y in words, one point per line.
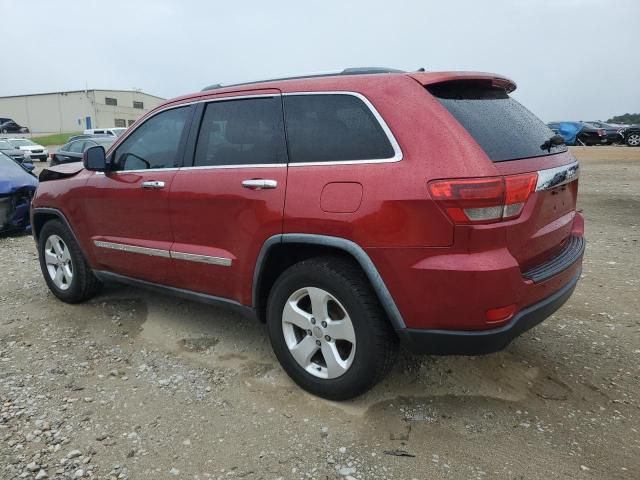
column 502, row 127
column 333, row 127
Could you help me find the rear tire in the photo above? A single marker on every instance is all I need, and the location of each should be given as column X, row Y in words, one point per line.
column 328, row 330
column 63, row 265
column 633, row 140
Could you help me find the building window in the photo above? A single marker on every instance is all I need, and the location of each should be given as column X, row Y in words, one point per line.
column 138, row 104
column 111, row 101
column 130, row 122
column 120, row 122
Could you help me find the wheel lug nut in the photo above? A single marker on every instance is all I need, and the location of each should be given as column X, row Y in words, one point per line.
column 324, row 324
column 309, row 332
column 313, row 321
column 327, row 338
column 318, row 342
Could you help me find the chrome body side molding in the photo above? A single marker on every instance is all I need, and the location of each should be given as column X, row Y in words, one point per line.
column 158, row 252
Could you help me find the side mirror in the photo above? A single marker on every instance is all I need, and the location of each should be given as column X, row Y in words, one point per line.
column 94, row 158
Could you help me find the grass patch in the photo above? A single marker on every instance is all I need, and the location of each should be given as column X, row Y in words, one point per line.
column 57, row 139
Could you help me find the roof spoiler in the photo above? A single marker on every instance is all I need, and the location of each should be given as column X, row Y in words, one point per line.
column 442, row 77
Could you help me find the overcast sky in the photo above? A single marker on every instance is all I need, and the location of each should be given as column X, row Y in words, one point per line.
column 571, row 59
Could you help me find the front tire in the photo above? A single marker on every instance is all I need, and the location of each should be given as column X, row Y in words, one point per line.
column 63, row 265
column 633, row 140
column 328, row 330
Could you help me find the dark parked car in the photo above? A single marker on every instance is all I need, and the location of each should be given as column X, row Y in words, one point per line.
column 580, row 133
column 21, row 157
column 349, row 212
column 9, row 126
column 613, row 132
column 73, row 150
column 17, row 187
column 632, row 135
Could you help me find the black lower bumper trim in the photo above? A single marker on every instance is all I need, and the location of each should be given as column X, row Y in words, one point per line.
column 480, row 342
column 570, row 253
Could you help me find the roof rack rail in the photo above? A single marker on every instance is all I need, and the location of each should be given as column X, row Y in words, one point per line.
column 346, row 71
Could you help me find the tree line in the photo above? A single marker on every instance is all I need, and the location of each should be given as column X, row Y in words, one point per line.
column 627, row 118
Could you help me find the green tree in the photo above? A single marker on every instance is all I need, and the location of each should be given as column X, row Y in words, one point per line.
column 627, row 118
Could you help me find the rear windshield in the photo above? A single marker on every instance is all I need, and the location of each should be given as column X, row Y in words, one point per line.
column 502, row 127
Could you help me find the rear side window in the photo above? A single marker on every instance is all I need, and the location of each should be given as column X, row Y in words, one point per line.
column 333, row 128
column 242, row 132
column 502, row 127
column 76, row 147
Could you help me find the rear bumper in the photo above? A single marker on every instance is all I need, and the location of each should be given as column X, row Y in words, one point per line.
column 479, row 342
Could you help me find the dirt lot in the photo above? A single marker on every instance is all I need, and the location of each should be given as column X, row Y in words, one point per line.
column 134, row 385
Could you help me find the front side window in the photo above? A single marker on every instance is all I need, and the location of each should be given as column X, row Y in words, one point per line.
column 333, row 128
column 241, row 132
column 155, row 143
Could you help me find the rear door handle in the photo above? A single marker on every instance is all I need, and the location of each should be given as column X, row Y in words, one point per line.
column 152, row 184
column 259, row 184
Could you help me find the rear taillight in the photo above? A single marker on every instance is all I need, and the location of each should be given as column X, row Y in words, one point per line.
column 483, row 200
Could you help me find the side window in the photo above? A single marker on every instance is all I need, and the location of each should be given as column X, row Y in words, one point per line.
column 88, row 144
column 76, row 147
column 241, row 132
column 333, row 127
column 155, row 143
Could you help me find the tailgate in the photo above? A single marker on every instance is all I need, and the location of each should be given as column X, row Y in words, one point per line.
column 517, row 142
column 547, row 220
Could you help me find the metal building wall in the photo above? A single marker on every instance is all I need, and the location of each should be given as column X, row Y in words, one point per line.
column 68, row 111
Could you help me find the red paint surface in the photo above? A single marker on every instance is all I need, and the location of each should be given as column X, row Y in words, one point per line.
column 440, row 275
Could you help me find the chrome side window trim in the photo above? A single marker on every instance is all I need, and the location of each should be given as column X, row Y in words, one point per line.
column 141, row 170
column 397, row 156
column 558, row 176
column 192, row 257
column 158, row 252
column 248, row 165
column 154, row 252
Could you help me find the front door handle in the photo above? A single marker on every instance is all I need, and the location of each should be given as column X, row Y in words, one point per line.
column 152, row 184
column 259, row 184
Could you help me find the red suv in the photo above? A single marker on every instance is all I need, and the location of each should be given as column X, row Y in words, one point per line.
column 350, row 212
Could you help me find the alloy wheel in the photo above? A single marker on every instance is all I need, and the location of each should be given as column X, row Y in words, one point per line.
column 319, row 332
column 58, row 261
column 633, row 140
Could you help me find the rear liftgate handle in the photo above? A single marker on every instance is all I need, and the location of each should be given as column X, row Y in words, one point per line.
column 259, row 184
column 152, row 184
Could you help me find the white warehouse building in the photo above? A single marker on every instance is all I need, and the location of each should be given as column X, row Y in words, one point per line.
column 73, row 111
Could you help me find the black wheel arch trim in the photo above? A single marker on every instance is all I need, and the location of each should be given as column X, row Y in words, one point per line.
column 352, row 248
column 60, row 215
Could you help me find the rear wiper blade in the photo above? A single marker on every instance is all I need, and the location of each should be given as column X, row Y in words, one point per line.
column 554, row 141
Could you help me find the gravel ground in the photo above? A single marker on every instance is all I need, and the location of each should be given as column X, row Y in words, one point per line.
column 134, row 385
